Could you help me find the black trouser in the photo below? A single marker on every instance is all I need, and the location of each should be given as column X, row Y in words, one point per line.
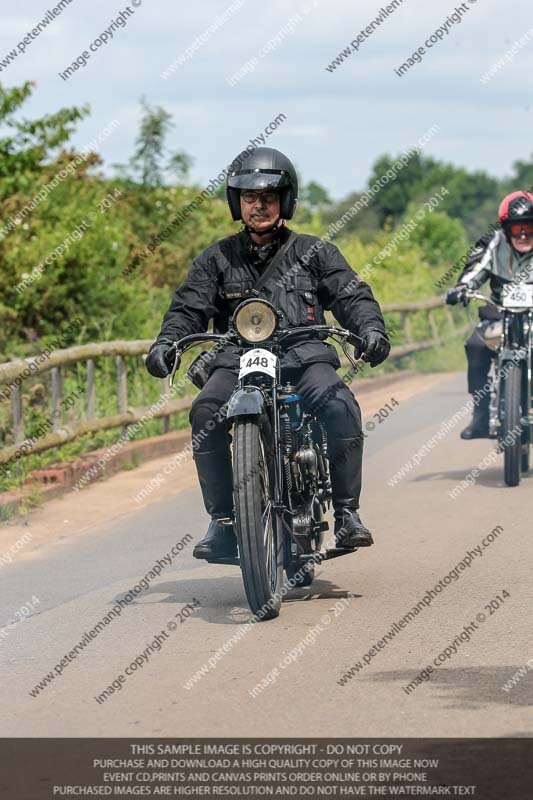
column 321, row 391
column 479, row 358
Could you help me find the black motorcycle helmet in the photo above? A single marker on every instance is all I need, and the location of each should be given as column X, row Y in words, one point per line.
column 262, row 168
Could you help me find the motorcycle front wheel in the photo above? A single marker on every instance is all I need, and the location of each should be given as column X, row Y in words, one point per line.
column 259, row 531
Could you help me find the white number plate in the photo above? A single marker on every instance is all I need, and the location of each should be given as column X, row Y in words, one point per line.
column 258, row 360
column 518, row 295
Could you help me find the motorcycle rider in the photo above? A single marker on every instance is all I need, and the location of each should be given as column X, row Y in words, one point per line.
column 262, row 191
column 504, row 257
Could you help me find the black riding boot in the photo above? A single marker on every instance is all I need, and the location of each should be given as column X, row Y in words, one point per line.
column 216, row 482
column 479, row 427
column 345, row 464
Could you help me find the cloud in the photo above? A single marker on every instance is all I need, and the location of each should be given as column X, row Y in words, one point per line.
column 337, row 123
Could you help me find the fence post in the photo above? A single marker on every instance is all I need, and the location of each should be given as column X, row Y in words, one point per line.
column 122, row 391
column 407, row 327
column 450, row 319
column 56, row 398
column 433, row 326
column 91, row 390
column 18, row 417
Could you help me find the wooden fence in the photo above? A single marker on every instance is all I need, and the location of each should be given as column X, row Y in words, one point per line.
column 14, row 373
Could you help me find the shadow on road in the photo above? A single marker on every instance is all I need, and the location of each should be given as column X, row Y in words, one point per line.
column 222, row 599
column 466, row 687
column 490, row 478
column 320, row 589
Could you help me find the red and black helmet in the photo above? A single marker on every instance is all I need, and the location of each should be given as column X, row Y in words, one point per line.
column 516, row 207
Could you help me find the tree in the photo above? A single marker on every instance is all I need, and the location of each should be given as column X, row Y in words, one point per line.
column 28, row 144
column 393, row 197
column 365, row 223
column 523, row 176
column 315, row 196
column 150, row 160
column 441, row 239
column 473, row 196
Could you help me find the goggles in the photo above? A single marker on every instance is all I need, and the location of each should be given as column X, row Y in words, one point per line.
column 516, row 230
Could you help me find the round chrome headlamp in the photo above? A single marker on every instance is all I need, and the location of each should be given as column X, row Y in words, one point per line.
column 255, row 320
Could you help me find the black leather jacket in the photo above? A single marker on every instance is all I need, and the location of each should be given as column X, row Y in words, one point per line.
column 313, row 276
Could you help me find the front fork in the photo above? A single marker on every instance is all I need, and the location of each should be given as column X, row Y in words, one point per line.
column 527, row 410
column 496, row 409
column 494, row 395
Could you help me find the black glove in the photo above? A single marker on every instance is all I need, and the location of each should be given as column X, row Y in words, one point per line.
column 376, row 347
column 457, row 295
column 160, row 359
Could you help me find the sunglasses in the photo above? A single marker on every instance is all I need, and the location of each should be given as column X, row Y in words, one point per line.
column 252, row 197
column 516, row 230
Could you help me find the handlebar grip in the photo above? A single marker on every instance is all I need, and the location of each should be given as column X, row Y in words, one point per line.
column 170, row 355
column 356, row 341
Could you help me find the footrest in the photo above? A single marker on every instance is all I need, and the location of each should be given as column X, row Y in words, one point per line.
column 232, row 561
column 336, row 552
column 326, row 555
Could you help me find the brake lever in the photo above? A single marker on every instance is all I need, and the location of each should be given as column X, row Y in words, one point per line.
column 177, row 361
column 358, row 345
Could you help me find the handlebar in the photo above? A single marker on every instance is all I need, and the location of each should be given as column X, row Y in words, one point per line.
column 196, row 338
column 192, row 338
column 352, row 338
column 473, row 295
column 181, row 345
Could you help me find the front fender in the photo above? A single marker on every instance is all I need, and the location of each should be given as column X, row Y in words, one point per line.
column 248, row 400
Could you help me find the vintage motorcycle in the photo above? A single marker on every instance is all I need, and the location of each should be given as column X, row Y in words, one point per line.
column 510, row 410
column 281, row 481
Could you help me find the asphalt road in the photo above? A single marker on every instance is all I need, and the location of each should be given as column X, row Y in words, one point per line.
column 421, row 535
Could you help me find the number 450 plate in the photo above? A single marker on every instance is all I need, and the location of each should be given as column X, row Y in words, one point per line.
column 518, row 295
column 258, row 360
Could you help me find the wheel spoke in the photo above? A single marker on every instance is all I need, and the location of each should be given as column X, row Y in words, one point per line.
column 267, row 515
column 266, row 519
column 267, row 537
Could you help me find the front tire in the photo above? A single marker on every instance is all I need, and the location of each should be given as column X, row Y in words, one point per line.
column 512, row 449
column 259, row 532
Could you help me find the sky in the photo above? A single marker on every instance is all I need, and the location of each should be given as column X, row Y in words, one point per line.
column 337, row 123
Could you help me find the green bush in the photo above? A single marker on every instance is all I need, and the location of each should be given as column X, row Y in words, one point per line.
column 83, row 252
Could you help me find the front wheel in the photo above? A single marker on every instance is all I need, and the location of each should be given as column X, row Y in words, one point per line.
column 259, row 532
column 511, row 426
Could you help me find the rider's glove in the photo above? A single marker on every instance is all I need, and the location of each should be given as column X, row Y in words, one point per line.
column 457, row 295
column 160, row 359
column 376, row 347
